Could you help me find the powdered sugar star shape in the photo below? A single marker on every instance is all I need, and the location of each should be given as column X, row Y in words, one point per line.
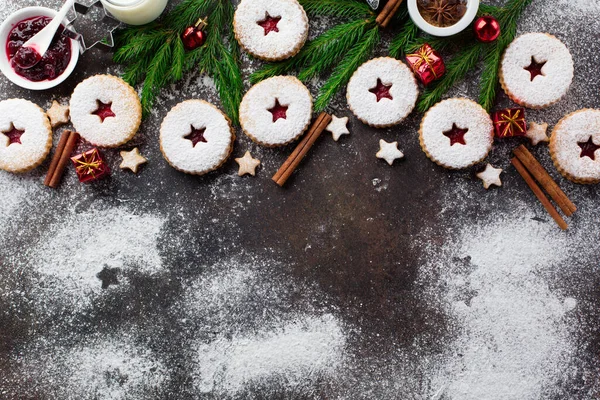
column 537, row 133
column 132, row 160
column 58, row 114
column 389, row 151
column 338, row 127
column 247, row 164
column 490, row 176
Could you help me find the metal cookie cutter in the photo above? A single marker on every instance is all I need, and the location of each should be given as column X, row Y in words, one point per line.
column 374, row 4
column 91, row 25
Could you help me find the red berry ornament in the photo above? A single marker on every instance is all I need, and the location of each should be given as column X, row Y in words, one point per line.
column 487, row 29
column 194, row 36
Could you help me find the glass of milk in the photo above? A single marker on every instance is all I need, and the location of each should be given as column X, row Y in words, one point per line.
column 135, row 12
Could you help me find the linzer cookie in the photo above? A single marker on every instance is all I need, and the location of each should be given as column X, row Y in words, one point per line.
column 382, row 92
column 276, row 111
column 536, row 70
column 456, row 133
column 106, row 111
column 575, row 146
column 271, row 30
column 25, row 135
column 196, row 137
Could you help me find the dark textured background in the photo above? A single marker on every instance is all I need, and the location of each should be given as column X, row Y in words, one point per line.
column 329, row 226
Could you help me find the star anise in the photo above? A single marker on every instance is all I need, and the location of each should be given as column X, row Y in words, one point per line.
column 442, row 13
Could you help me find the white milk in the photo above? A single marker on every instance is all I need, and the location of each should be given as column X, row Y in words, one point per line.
column 135, row 12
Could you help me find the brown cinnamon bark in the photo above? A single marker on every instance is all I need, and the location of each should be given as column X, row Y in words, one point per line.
column 64, row 159
column 387, row 13
column 545, row 180
column 290, row 165
column 56, row 157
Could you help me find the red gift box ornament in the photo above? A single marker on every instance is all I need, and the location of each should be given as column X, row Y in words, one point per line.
column 427, row 64
column 510, row 122
column 90, row 166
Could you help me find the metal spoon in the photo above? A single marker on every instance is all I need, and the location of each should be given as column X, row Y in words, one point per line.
column 34, row 49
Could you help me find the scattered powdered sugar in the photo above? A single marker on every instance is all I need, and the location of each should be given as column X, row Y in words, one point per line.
column 385, row 112
column 577, row 128
column 203, row 156
column 36, row 138
column 113, row 367
column 295, row 352
column 258, row 122
column 557, row 71
column 283, row 42
column 465, row 114
column 124, row 103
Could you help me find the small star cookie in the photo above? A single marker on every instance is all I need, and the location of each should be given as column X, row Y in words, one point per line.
column 490, row 176
column 247, row 164
column 58, row 114
column 132, row 160
column 389, row 151
column 338, row 127
column 537, row 133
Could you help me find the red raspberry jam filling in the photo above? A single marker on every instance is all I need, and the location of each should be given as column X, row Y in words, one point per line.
column 269, row 24
column 196, row 136
column 278, row 111
column 13, row 135
column 382, row 91
column 535, row 68
column 104, row 110
column 54, row 62
column 588, row 149
column 456, row 135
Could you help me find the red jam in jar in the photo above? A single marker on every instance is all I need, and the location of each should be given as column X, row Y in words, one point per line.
column 56, row 59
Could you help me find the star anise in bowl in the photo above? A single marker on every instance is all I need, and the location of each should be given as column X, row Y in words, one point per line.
column 442, row 13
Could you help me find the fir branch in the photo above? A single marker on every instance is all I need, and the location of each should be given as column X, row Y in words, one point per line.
column 343, row 9
column 456, row 70
column 343, row 72
column 401, row 43
column 157, row 76
column 489, row 77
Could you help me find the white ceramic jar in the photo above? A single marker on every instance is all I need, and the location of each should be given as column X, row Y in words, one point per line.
column 135, row 12
column 461, row 25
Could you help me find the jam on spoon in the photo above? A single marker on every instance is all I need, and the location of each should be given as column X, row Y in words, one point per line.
column 51, row 65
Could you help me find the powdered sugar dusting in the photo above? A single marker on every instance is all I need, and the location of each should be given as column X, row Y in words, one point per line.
column 387, row 112
column 292, row 28
column 557, row 72
column 465, row 114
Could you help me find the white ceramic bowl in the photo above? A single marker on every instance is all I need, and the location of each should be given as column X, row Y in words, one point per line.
column 8, row 25
column 461, row 25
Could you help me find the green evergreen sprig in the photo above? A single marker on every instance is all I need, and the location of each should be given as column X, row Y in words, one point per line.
column 339, row 50
column 155, row 55
column 470, row 53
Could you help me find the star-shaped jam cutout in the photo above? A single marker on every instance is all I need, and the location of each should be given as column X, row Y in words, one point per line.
column 13, row 134
column 196, row 136
column 278, row 111
column 104, row 110
column 588, row 149
column 456, row 135
column 108, row 276
column 381, row 91
column 269, row 24
column 535, row 68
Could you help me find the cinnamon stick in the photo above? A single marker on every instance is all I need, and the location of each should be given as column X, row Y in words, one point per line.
column 545, row 180
column 538, row 193
column 64, row 159
column 290, row 165
column 60, row 148
column 387, row 13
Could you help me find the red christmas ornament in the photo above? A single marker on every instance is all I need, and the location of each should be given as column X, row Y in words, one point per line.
column 427, row 64
column 194, row 36
column 510, row 122
column 487, row 29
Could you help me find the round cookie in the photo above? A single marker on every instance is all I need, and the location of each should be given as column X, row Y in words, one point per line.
column 575, row 146
column 536, row 70
column 456, row 133
column 105, row 110
column 25, row 135
column 382, row 92
column 276, row 111
column 271, row 30
column 196, row 137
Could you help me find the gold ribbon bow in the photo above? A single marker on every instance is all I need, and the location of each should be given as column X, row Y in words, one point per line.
column 423, row 56
column 511, row 121
column 88, row 166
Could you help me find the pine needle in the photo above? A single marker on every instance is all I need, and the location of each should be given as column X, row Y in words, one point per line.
column 336, row 8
